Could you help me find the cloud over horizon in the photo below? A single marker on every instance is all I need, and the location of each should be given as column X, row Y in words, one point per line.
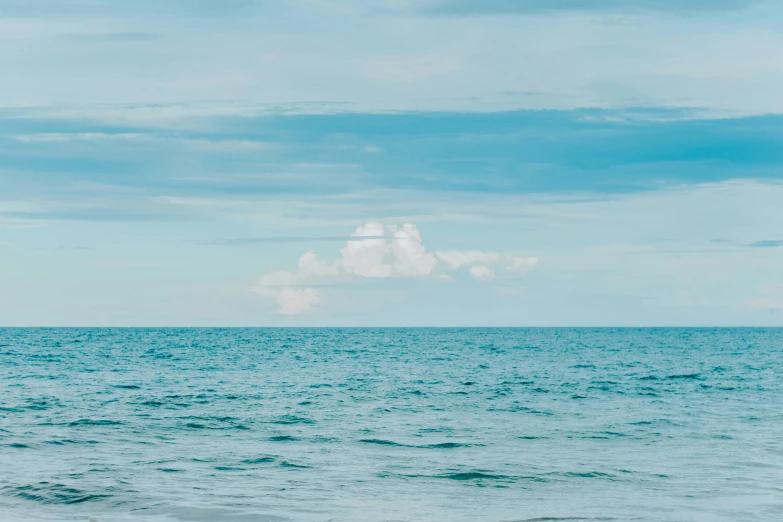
column 378, row 251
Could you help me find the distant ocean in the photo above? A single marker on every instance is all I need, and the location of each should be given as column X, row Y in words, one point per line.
column 500, row 425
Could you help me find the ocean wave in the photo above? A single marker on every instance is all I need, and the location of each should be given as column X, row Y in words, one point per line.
column 292, row 419
column 53, row 493
column 440, row 445
column 94, row 422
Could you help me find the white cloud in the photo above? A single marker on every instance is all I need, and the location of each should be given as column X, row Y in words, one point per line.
column 377, row 251
column 387, row 251
column 282, row 286
column 410, row 257
column 458, row 258
column 311, row 266
column 366, row 257
column 522, row 264
column 277, row 278
column 482, row 273
column 295, row 301
column 50, row 137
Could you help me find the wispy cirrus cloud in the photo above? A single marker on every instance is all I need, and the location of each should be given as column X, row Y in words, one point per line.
column 135, row 8
column 344, row 154
column 478, row 7
column 138, row 8
column 121, row 52
column 111, row 37
column 242, row 241
column 766, row 243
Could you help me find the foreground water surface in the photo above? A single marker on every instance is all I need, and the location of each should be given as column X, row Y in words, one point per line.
column 246, row 425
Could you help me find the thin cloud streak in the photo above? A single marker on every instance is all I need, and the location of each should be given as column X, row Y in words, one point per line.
column 243, row 241
column 528, row 7
column 766, row 243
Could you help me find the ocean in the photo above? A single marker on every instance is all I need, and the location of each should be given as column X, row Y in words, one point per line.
column 419, row 424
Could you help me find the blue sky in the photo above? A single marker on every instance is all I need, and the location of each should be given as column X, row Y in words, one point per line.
column 443, row 162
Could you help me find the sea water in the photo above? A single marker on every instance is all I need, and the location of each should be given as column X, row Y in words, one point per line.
column 244, row 425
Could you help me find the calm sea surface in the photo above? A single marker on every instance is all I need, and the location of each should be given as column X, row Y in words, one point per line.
column 245, row 425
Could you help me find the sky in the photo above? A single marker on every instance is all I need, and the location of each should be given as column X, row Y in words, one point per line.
column 391, row 163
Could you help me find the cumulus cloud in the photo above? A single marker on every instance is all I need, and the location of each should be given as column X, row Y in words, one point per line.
column 482, row 273
column 367, row 255
column 295, row 301
column 387, row 251
column 378, row 251
column 312, row 267
column 279, row 285
column 285, row 287
column 410, row 257
column 459, row 258
column 522, row 264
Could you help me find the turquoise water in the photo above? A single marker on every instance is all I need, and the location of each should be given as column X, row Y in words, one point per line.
column 496, row 425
